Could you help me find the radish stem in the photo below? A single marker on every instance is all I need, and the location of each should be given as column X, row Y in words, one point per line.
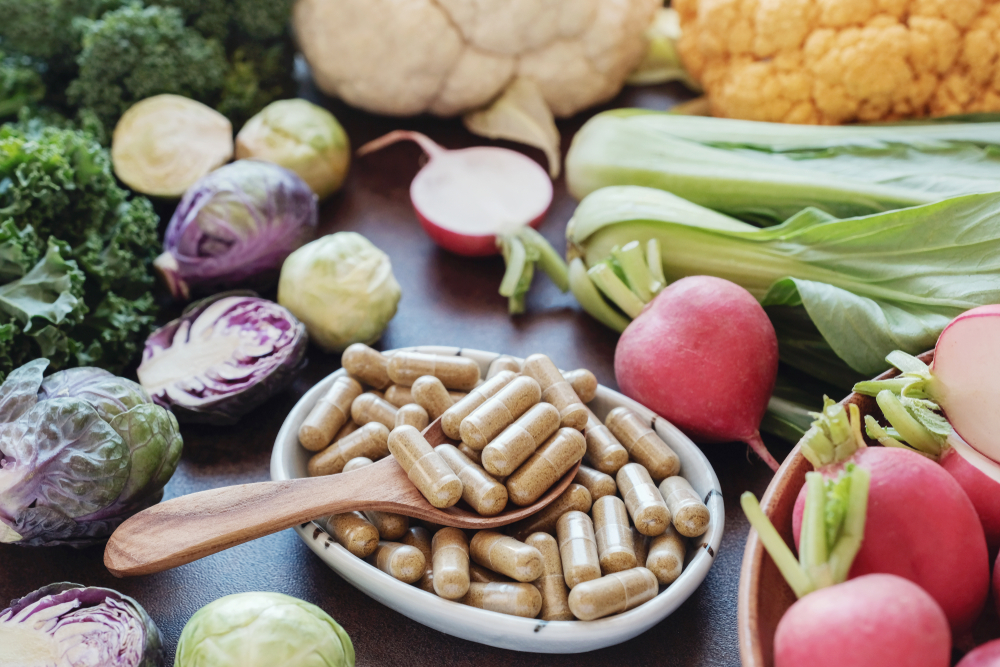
column 782, row 556
column 654, row 261
column 591, row 300
column 615, row 289
column 912, row 431
column 549, row 260
column 633, row 264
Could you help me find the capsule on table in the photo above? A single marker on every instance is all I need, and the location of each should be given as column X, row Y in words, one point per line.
column 642, row 443
column 329, row 414
column 577, row 548
column 613, row 594
column 506, row 555
column 690, row 515
column 431, row 395
column 666, row 556
column 519, row 441
column 420, row 537
column 400, row 561
column 513, row 599
column 596, row 482
column 501, row 364
column 575, row 498
column 552, row 585
column 484, row 494
column 413, row 415
column 455, row 372
column 368, row 408
column 604, row 452
column 451, row 420
column 643, row 500
column 353, row 532
column 584, row 383
column 450, row 553
column 368, row 365
column 356, row 463
column 640, row 543
column 614, row 535
column 556, row 390
column 399, row 395
column 425, row 467
column 499, row 411
column 546, row 466
column 369, row 441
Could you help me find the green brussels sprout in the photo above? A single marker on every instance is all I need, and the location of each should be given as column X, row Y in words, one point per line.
column 300, row 136
column 263, row 630
column 342, row 288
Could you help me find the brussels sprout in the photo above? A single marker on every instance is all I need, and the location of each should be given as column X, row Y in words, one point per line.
column 80, row 452
column 69, row 625
column 263, row 630
column 223, row 357
column 302, row 137
column 342, row 288
column 235, row 227
column 165, row 143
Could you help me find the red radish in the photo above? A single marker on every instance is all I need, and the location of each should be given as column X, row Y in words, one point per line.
column 979, row 477
column 466, row 198
column 704, row 355
column 996, row 585
column 872, row 621
column 987, row 655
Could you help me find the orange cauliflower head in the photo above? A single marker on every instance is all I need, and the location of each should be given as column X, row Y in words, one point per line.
column 841, row 61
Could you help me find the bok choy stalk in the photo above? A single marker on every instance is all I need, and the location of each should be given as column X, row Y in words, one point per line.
column 842, row 294
column 768, row 172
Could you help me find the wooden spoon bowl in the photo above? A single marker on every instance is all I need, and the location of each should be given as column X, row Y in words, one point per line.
column 190, row 527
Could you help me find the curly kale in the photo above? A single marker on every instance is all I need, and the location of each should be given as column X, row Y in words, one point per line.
column 43, row 29
column 75, row 253
column 21, row 84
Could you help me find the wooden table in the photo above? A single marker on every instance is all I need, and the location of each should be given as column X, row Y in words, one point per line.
column 447, row 300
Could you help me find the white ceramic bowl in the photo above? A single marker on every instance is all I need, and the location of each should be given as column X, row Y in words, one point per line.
column 520, row 634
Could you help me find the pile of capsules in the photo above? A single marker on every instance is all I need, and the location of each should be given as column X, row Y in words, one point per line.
column 604, row 546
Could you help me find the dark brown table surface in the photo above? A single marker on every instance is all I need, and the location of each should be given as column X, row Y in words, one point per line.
column 447, row 300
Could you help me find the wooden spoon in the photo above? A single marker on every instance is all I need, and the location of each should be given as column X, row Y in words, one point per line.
column 190, row 527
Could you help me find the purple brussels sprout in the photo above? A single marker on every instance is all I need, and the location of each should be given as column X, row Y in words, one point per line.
column 223, row 357
column 80, row 452
column 235, row 227
column 68, row 625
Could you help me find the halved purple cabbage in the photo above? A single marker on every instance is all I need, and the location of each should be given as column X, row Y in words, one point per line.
column 80, row 452
column 235, row 227
column 69, row 625
column 223, row 357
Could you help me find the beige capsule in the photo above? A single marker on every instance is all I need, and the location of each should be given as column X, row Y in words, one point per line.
column 613, row 594
column 546, row 466
column 390, row 526
column 556, row 390
column 450, row 553
column 431, row 395
column 400, row 561
column 353, row 532
column 369, row 441
column 577, row 548
column 413, row 415
column 368, row 365
column 506, row 555
column 575, row 498
column 499, row 411
column 425, row 467
column 399, row 395
column 501, row 364
column 473, row 455
column 455, row 372
column 645, row 504
column 348, row 428
column 584, row 383
column 329, row 414
column 642, row 443
column 640, row 543
column 483, row 575
column 519, row 441
column 513, row 599
column 597, row 482
column 483, row 494
column 689, row 514
column 614, row 535
column 604, row 452
column 420, row 537
column 357, row 462
column 451, row 420
column 666, row 556
column 368, row 408
column 552, row 585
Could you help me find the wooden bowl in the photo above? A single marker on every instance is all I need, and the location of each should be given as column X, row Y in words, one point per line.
column 764, row 597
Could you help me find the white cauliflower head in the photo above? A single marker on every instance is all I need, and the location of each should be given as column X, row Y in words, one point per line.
column 447, row 57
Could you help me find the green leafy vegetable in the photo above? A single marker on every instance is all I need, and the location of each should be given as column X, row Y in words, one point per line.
column 21, row 84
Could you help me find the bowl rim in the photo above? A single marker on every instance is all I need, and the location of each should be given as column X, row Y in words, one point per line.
column 491, row 628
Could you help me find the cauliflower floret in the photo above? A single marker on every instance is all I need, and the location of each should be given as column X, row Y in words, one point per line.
column 447, row 57
column 841, row 61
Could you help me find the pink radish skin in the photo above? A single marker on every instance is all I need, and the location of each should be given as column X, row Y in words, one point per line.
column 980, row 479
column 987, row 655
column 873, row 621
column 996, row 585
column 465, row 198
column 704, row 355
column 921, row 526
